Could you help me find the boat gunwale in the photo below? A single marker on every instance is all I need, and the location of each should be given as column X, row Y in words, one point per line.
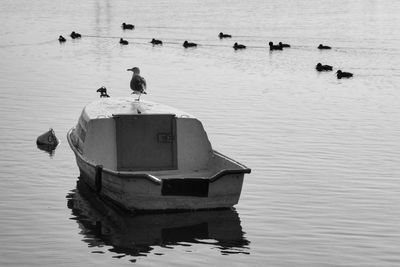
column 153, row 178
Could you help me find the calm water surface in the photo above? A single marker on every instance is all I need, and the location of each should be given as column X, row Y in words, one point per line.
column 325, row 183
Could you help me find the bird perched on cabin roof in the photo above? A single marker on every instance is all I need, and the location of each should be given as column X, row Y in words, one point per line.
column 138, row 83
column 103, row 92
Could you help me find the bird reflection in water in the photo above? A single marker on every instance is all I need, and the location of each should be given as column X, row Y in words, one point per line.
column 49, row 149
column 103, row 224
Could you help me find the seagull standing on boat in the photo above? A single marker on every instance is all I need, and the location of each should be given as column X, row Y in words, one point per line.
column 138, row 83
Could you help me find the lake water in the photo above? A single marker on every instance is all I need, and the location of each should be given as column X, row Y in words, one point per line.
column 324, row 153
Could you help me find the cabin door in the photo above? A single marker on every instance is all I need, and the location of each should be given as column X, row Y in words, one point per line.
column 146, row 142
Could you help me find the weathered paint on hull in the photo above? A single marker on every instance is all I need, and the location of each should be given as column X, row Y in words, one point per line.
column 133, row 194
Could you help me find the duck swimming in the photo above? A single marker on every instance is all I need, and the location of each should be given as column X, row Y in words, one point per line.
column 156, row 42
column 342, row 74
column 224, row 35
column 61, row 39
column 186, row 44
column 274, row 47
column 127, row 26
column 321, row 67
column 321, row 46
column 75, row 35
column 123, row 42
column 237, row 46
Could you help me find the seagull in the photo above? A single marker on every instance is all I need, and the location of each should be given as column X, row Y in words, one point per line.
column 284, row 45
column 224, row 35
column 138, row 83
column 103, row 92
column 127, row 26
column 237, row 46
column 186, row 44
column 274, row 47
column 61, row 39
column 123, row 42
column 75, row 35
column 321, row 67
column 321, row 46
column 341, row 74
column 156, row 42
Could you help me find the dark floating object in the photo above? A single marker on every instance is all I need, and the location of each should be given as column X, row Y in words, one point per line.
column 123, row 42
column 321, row 67
column 284, row 45
column 342, row 74
column 75, row 35
column 61, row 39
column 103, row 92
column 138, row 83
column 156, row 42
column 47, row 140
column 187, row 44
column 274, row 47
column 127, row 26
column 224, row 35
column 321, row 46
column 237, row 46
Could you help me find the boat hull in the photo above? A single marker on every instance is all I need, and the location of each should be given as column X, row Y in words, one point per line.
column 143, row 192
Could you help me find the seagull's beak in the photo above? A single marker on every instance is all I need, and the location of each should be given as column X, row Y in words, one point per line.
column 129, row 69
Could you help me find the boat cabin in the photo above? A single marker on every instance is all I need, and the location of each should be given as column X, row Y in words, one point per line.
column 128, row 135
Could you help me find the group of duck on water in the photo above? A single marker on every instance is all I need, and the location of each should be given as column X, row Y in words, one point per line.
column 319, row 67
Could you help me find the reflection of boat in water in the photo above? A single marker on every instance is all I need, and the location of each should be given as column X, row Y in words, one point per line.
column 102, row 223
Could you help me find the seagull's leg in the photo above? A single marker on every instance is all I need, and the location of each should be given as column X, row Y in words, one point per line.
column 139, row 96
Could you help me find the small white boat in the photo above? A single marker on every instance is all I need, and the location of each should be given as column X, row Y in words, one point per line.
column 148, row 156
